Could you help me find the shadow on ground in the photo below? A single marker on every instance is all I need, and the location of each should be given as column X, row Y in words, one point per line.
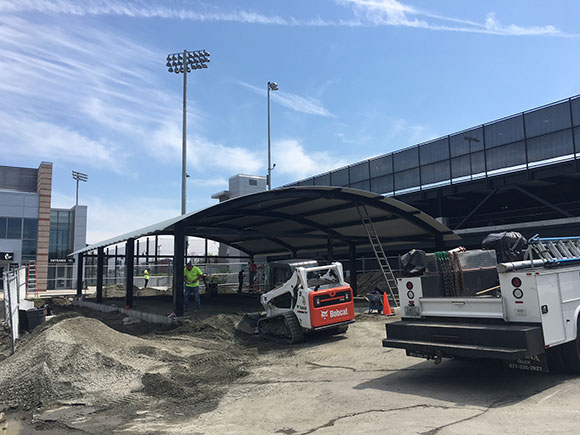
column 466, row 382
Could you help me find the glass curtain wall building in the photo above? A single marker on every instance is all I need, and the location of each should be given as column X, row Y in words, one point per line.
column 31, row 233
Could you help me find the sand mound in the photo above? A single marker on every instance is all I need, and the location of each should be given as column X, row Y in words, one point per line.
column 81, row 360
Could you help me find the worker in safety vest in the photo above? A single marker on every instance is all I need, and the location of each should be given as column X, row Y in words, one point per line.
column 146, row 276
column 191, row 276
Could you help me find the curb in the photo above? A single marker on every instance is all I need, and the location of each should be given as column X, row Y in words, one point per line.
column 145, row 317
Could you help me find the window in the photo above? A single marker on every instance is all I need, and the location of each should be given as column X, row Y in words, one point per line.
column 253, row 182
column 29, row 228
column 2, row 228
column 14, row 230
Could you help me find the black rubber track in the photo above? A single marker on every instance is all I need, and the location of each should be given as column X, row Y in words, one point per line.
column 282, row 327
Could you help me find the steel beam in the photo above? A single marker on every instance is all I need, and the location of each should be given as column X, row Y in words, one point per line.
column 80, row 275
column 543, row 201
column 129, row 271
column 178, row 264
column 100, row 264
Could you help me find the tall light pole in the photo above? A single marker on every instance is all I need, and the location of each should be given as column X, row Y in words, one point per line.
column 79, row 176
column 184, row 63
column 272, row 86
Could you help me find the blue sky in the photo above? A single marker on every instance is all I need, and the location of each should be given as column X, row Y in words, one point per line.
column 83, row 84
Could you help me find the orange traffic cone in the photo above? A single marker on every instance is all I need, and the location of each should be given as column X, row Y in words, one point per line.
column 386, row 307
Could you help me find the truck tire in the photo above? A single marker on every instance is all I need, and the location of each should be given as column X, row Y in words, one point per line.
column 571, row 351
column 556, row 362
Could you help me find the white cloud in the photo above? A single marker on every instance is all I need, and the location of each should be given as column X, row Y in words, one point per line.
column 48, row 141
column 295, row 102
column 396, row 13
column 366, row 13
column 292, row 159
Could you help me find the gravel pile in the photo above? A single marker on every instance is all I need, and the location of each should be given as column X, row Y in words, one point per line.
column 79, row 360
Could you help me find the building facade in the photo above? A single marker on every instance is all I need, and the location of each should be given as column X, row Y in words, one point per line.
column 519, row 173
column 31, row 233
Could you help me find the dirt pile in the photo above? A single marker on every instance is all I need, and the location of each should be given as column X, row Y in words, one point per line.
column 80, row 360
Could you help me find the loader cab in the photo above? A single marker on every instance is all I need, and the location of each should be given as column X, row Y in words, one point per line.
column 280, row 271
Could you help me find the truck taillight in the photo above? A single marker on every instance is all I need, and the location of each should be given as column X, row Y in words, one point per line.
column 409, row 285
column 516, row 282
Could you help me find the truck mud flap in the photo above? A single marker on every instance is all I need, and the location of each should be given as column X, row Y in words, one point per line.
column 428, row 339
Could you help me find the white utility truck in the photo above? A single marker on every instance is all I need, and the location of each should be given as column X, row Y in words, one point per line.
column 525, row 313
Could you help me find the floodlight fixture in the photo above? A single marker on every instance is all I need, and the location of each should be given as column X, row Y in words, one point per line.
column 79, row 176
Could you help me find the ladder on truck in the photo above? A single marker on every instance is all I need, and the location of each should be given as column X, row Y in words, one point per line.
column 31, row 279
column 379, row 251
column 554, row 250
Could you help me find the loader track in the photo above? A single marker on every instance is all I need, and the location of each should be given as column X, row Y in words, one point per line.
column 282, row 327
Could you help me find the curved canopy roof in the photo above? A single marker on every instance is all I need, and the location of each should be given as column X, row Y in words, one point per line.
column 300, row 219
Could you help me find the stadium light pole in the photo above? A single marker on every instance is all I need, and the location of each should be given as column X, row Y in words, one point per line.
column 79, row 176
column 272, row 86
column 184, row 63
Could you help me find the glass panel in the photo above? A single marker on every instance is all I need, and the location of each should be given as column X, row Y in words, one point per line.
column 322, row 180
column 2, row 227
column 382, row 184
column 548, row 119
column 434, row 151
column 14, row 228
column 551, row 145
column 382, row 166
column 466, row 142
column 362, row 185
column 506, row 131
column 435, row 172
column 29, row 248
column 460, row 166
column 506, row 156
column 576, row 111
column 406, row 159
column 308, row 182
column 340, row 177
column 477, row 162
column 29, row 228
column 359, row 172
column 407, row 179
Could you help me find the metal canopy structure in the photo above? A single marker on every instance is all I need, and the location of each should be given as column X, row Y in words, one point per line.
column 285, row 221
column 297, row 219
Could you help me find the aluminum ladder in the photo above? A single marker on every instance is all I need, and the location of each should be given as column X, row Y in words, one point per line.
column 554, row 250
column 31, row 279
column 379, row 251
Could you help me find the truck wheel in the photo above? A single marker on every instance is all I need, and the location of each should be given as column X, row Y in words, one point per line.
column 556, row 362
column 571, row 351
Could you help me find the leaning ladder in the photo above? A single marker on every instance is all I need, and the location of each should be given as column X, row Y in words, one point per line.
column 31, row 279
column 554, row 250
column 379, row 251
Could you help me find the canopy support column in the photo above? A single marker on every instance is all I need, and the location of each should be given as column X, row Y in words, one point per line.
column 352, row 257
column 129, row 271
column 80, row 259
column 330, row 250
column 100, row 264
column 178, row 260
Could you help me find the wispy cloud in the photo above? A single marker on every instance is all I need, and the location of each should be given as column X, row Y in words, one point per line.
column 295, row 102
column 365, row 13
column 292, row 159
column 397, row 14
